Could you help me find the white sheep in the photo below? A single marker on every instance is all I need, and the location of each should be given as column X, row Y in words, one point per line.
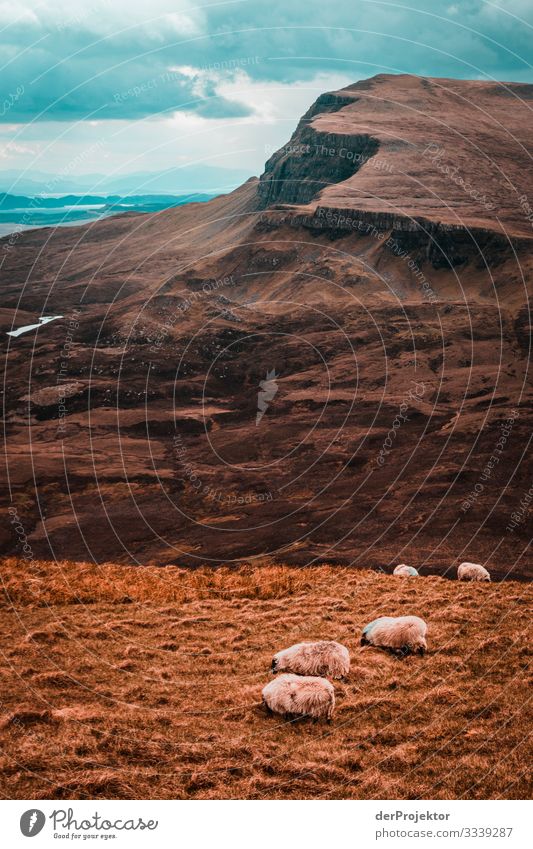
column 405, row 571
column 298, row 695
column 322, row 658
column 400, row 634
column 472, row 572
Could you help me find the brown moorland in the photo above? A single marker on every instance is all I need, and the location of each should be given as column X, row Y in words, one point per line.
column 359, row 267
column 146, row 683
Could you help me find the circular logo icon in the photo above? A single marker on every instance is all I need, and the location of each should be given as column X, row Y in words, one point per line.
column 32, row 822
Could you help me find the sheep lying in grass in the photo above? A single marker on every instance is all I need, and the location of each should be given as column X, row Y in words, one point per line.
column 405, row 571
column 400, row 634
column 325, row 657
column 472, row 572
column 298, row 695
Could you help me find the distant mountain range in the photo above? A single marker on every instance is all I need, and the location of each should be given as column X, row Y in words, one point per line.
column 177, row 181
column 8, row 201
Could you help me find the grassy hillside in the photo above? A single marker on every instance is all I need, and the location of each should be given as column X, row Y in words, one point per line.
column 146, row 683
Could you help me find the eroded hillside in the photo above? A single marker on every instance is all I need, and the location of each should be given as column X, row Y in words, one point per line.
column 386, row 297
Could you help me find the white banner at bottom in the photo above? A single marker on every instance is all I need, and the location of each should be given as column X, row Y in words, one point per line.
column 266, row 824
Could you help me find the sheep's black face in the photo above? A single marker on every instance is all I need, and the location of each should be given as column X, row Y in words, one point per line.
column 274, row 666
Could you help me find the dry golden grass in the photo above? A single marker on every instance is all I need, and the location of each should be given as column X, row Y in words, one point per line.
column 146, row 683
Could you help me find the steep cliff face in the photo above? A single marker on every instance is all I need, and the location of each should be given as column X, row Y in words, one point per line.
column 310, row 162
column 330, row 101
column 441, row 156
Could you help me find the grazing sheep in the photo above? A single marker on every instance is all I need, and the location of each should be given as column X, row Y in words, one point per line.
column 405, row 571
column 298, row 695
column 322, row 658
column 400, row 634
column 472, row 572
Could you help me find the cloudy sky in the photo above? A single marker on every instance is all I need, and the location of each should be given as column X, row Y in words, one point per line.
column 120, row 86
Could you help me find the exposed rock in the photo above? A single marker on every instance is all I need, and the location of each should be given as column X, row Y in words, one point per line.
column 310, row 162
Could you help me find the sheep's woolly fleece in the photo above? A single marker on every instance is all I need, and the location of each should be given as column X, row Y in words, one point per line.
column 398, row 633
column 297, row 695
column 404, row 571
column 323, row 658
column 472, row 572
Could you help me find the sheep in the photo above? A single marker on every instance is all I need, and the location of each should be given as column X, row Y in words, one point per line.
column 404, row 571
column 400, row 634
column 472, row 572
column 324, row 658
column 299, row 695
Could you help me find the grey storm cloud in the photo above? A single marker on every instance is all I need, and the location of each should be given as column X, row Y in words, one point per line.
column 61, row 62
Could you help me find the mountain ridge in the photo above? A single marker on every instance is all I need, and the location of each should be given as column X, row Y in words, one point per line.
column 334, row 117
column 181, row 315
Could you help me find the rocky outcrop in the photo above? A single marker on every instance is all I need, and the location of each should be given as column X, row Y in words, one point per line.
column 444, row 245
column 297, row 173
column 328, row 102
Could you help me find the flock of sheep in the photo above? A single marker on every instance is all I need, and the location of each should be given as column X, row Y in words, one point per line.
column 303, row 688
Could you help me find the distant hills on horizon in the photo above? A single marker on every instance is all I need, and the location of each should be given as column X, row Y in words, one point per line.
column 177, row 181
column 15, row 202
column 22, row 211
